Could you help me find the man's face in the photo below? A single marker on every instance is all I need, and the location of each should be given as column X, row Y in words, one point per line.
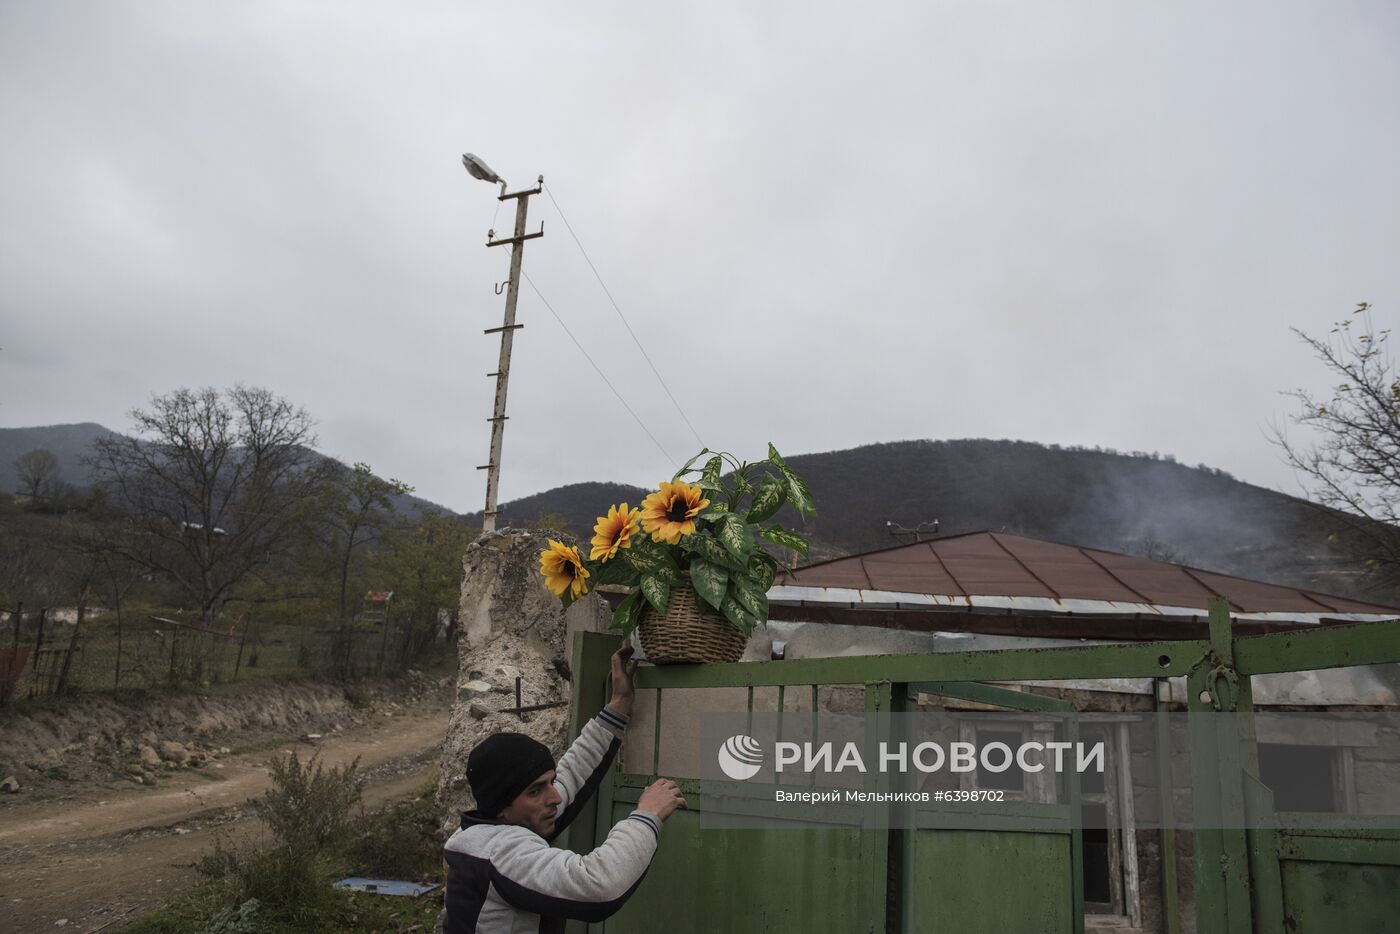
column 537, row 807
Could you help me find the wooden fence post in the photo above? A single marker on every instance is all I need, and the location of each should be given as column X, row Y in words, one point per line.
column 241, row 642
column 38, row 647
column 72, row 647
column 12, row 676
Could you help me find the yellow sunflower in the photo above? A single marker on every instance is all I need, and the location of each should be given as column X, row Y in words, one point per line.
column 563, row 570
column 670, row 512
column 614, row 532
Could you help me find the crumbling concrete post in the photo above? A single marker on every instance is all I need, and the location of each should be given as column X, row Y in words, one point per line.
column 510, row 626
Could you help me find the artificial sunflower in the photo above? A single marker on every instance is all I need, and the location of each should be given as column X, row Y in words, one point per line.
column 670, row 512
column 614, row 532
column 563, row 570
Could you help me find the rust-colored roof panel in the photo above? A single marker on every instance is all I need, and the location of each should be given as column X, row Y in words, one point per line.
column 996, row 564
column 1159, row 582
column 1067, row 571
column 981, row 566
column 912, row 570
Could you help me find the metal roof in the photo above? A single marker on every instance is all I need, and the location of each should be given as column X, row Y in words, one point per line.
column 992, row 571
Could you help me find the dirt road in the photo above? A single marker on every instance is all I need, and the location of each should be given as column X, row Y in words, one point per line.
column 78, row 864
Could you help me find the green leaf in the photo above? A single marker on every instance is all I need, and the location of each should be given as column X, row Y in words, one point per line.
column 768, row 500
column 763, row 568
column 709, row 477
column 715, row 511
column 615, row 570
column 704, row 545
column 736, row 614
column 650, row 560
column 747, row 593
column 685, row 469
column 797, row 493
column 657, row 592
column 710, row 581
column 781, row 536
column 733, row 533
column 623, row 617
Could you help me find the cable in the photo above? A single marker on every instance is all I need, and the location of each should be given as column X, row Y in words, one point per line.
column 598, row 369
column 549, row 191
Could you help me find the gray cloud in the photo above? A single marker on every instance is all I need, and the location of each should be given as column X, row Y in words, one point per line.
column 1089, row 223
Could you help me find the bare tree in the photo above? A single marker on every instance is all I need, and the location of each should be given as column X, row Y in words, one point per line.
column 38, row 471
column 1352, row 463
column 211, row 484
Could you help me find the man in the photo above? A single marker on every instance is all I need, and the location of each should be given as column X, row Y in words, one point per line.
column 503, row 877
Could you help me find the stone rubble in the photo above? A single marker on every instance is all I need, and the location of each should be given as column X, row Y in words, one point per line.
column 511, row 627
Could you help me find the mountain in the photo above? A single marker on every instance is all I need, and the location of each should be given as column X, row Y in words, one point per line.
column 573, row 508
column 1136, row 503
column 71, row 443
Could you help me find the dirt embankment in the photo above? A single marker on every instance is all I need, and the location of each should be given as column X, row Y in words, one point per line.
column 99, row 847
column 52, row 750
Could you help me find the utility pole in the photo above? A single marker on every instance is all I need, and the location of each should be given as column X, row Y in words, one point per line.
column 507, row 331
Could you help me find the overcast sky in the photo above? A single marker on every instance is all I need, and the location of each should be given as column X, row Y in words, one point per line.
column 830, row 225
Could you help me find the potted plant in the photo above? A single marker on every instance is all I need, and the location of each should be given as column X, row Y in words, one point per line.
column 695, row 555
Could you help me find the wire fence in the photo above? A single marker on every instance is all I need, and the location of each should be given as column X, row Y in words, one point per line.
column 49, row 652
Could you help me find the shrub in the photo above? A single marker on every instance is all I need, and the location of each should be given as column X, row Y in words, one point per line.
column 308, row 805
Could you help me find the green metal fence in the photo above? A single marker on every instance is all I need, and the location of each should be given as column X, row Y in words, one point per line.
column 1282, row 873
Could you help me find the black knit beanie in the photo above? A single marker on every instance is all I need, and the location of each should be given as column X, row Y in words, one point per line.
column 502, row 766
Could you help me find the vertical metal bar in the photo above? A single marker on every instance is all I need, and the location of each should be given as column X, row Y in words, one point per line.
column 1076, row 837
column 590, row 665
column 1220, row 637
column 1212, row 912
column 1232, row 727
column 656, row 739
column 1132, row 903
column 900, row 891
column 1171, row 912
column 749, row 721
column 875, row 842
column 781, row 691
column 812, row 774
column 1265, row 874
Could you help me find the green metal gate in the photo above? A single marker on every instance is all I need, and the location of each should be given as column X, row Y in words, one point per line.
column 1283, row 874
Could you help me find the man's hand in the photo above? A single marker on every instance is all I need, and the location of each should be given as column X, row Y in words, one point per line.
column 661, row 798
column 622, row 690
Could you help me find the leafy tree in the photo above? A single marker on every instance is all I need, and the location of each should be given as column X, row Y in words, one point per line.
column 211, row 483
column 1352, row 463
column 422, row 564
column 354, row 510
column 38, row 471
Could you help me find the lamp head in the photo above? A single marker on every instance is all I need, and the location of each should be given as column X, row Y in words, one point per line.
column 480, row 169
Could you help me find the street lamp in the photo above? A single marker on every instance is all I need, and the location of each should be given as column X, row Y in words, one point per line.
column 479, row 169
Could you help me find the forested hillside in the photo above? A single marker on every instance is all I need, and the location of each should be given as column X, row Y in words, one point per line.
column 1137, row 503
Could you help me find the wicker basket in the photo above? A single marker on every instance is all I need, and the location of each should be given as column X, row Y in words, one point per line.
column 688, row 632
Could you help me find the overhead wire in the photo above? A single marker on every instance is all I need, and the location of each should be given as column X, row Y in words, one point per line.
column 606, row 291
column 597, row 369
